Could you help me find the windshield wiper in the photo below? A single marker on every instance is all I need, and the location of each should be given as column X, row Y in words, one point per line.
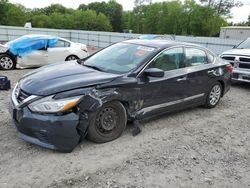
column 93, row 67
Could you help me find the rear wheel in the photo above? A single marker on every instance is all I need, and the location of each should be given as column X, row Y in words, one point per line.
column 214, row 95
column 108, row 123
column 6, row 62
column 71, row 58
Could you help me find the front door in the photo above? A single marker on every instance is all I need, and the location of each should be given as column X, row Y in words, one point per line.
column 168, row 92
column 36, row 58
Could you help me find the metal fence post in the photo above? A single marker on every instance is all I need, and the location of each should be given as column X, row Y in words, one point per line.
column 88, row 38
column 98, row 40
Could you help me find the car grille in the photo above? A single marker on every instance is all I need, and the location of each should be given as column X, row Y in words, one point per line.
column 238, row 61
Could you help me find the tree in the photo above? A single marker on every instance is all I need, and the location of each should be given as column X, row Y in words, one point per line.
column 222, row 7
column 40, row 21
column 82, row 7
column 55, row 8
column 90, row 20
column 112, row 10
column 174, row 17
column 12, row 14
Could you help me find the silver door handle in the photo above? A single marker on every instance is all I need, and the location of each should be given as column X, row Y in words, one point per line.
column 181, row 79
column 211, row 71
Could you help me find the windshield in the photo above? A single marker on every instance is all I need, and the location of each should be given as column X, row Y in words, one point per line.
column 119, row 58
column 245, row 44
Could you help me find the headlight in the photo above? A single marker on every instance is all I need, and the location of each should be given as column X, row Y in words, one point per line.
column 50, row 105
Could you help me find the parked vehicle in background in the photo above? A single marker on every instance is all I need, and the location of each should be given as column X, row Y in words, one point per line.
column 239, row 57
column 38, row 50
column 56, row 105
column 159, row 37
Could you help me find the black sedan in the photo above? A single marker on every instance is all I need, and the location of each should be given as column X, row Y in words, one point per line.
column 57, row 105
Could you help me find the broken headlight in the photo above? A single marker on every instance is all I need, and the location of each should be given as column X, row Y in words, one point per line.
column 50, row 105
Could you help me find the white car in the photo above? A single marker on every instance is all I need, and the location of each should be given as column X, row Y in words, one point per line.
column 38, row 50
column 239, row 57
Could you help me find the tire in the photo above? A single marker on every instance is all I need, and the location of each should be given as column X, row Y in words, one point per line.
column 71, row 58
column 214, row 95
column 108, row 123
column 7, row 62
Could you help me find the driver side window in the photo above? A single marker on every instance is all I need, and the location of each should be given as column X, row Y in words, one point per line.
column 169, row 60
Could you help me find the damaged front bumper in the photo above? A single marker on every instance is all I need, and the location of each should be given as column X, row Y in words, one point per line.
column 47, row 130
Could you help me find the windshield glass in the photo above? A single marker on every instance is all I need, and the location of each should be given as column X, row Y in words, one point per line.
column 245, row 44
column 119, row 58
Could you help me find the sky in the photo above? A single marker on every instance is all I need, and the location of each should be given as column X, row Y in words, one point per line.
column 239, row 14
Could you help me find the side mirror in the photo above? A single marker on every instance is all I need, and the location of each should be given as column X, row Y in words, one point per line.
column 154, row 72
column 80, row 61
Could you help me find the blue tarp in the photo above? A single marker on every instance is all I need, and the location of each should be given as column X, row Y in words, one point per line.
column 28, row 43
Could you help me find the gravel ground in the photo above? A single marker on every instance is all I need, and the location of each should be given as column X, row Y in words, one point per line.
column 193, row 148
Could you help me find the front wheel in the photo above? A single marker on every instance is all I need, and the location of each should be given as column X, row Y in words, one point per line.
column 214, row 95
column 108, row 123
column 6, row 62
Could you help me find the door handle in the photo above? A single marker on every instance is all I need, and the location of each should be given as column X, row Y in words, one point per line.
column 211, row 71
column 181, row 79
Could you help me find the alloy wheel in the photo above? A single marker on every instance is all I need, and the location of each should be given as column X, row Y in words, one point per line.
column 215, row 95
column 6, row 63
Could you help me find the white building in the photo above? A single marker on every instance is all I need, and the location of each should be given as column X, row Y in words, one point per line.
column 235, row 32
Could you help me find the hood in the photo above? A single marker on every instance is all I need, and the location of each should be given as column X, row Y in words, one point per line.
column 236, row 51
column 3, row 48
column 63, row 76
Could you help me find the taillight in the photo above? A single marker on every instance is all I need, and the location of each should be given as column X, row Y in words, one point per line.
column 229, row 68
column 83, row 48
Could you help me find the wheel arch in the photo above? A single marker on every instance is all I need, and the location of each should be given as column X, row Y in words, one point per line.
column 223, row 87
column 125, row 104
column 71, row 55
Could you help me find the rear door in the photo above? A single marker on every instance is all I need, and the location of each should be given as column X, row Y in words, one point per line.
column 200, row 69
column 59, row 52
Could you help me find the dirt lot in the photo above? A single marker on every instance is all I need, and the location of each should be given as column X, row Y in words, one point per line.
column 193, row 148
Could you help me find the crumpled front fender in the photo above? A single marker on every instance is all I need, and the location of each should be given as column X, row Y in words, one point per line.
column 3, row 49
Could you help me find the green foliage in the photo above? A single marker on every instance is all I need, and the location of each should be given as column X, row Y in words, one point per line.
column 53, row 16
column 112, row 10
column 168, row 17
column 174, row 17
column 11, row 14
column 222, row 7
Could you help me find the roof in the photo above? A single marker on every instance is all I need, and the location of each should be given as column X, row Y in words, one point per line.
column 158, row 43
